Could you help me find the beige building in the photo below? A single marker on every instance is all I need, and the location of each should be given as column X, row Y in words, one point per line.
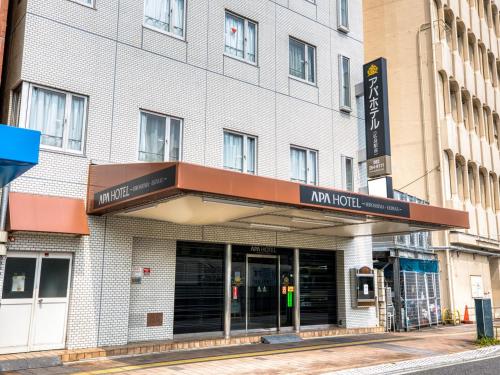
column 444, row 94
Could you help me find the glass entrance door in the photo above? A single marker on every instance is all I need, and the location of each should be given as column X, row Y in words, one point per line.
column 262, row 292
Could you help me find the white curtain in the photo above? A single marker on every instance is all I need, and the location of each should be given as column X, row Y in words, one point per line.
column 310, row 64
column 251, row 42
column 157, row 14
column 152, row 139
column 175, row 140
column 233, row 151
column 76, row 123
column 298, row 162
column 47, row 115
column 234, row 35
column 178, row 21
column 312, row 167
column 297, row 59
column 251, row 155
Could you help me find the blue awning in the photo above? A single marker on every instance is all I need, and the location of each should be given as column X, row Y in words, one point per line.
column 419, row 265
column 18, row 152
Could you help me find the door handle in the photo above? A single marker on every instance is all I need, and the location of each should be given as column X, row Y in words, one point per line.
column 40, row 300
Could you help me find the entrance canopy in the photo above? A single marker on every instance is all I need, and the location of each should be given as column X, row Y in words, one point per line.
column 195, row 195
column 18, row 152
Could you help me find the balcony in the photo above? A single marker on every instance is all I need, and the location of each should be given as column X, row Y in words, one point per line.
column 475, row 145
column 464, row 142
column 470, row 81
column 458, row 69
column 485, row 154
column 443, row 57
column 480, row 87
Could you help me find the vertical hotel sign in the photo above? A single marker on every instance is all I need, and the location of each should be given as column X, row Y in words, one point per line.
column 378, row 146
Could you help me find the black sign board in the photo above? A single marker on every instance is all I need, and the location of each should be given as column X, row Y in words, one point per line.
column 159, row 180
column 376, row 109
column 354, row 202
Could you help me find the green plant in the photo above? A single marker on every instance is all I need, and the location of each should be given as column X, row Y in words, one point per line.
column 487, row 341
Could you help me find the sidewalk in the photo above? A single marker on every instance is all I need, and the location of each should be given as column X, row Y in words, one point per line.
column 312, row 356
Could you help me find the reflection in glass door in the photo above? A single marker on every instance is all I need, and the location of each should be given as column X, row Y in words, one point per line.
column 262, row 292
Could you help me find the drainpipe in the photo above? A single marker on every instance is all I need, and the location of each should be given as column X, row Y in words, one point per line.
column 296, row 280
column 3, row 219
column 227, row 292
column 449, row 272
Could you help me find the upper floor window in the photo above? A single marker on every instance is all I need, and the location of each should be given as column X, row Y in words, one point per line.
column 347, row 173
column 302, row 60
column 160, row 138
column 345, row 82
column 240, row 152
column 472, row 184
column 165, row 15
column 471, row 53
column 60, row 117
column 343, row 15
column 241, row 37
column 304, row 163
column 89, row 3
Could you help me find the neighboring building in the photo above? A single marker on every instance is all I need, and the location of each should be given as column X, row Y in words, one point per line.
column 196, row 132
column 444, row 97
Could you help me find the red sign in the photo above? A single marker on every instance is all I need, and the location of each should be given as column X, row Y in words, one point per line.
column 146, row 271
column 235, row 292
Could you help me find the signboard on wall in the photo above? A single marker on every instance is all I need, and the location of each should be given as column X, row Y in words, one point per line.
column 354, row 202
column 378, row 145
column 476, row 283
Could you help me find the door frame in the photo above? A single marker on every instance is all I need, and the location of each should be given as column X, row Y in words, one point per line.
column 247, row 306
column 39, row 256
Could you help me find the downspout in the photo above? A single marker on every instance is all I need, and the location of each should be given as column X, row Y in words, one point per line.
column 3, row 207
column 449, row 273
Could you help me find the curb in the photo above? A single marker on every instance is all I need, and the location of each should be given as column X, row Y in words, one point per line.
column 29, row 363
column 422, row 364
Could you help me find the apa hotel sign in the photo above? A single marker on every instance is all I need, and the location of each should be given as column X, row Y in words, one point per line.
column 378, row 145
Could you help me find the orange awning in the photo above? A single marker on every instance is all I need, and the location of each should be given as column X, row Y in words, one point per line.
column 42, row 213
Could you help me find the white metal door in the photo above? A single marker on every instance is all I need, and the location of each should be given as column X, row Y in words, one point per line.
column 34, row 303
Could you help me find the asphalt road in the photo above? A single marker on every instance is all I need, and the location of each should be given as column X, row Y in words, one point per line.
column 483, row 367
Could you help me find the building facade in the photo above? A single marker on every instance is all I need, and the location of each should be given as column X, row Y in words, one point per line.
column 444, row 107
column 183, row 143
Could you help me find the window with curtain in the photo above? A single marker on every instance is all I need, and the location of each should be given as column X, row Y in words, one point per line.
column 495, row 130
column 160, row 138
column 471, row 54
column 460, row 42
column 476, row 119
column 492, row 193
column 241, row 38
column 59, row 116
column 465, row 112
column 240, row 152
column 304, row 165
column 348, row 173
column 482, row 188
column 472, row 184
column 453, row 104
column 343, row 15
column 460, row 179
column 444, row 93
column 481, row 59
column 165, row 15
column 345, row 82
column 302, row 60
column 486, row 125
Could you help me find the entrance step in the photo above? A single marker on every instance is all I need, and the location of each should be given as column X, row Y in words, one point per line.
column 281, row 339
column 29, row 363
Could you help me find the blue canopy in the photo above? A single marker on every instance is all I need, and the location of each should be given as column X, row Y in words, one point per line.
column 419, row 265
column 18, row 152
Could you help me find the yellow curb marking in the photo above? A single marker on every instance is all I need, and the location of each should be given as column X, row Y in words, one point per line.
column 234, row 356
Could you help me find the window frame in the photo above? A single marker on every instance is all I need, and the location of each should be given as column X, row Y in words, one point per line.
column 340, row 25
column 306, row 62
column 344, row 173
column 166, row 150
column 170, row 25
column 246, row 21
column 67, row 113
column 244, row 165
column 82, row 2
column 308, row 174
column 342, row 98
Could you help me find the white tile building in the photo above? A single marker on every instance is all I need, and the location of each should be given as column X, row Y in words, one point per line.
column 109, row 56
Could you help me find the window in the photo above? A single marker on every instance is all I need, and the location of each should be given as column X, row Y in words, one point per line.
column 486, row 124
column 444, row 93
column 495, row 129
column 446, row 175
column 302, row 60
column 89, row 3
column 165, row 15
column 348, row 173
column 493, row 204
column 460, row 41
column 460, row 179
column 472, row 184
column 59, row 116
column 453, row 103
column 465, row 112
column 241, row 38
column 304, row 164
column 343, row 15
column 476, row 119
column 160, row 138
column 471, row 53
column 240, row 152
column 482, row 188
column 345, row 82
